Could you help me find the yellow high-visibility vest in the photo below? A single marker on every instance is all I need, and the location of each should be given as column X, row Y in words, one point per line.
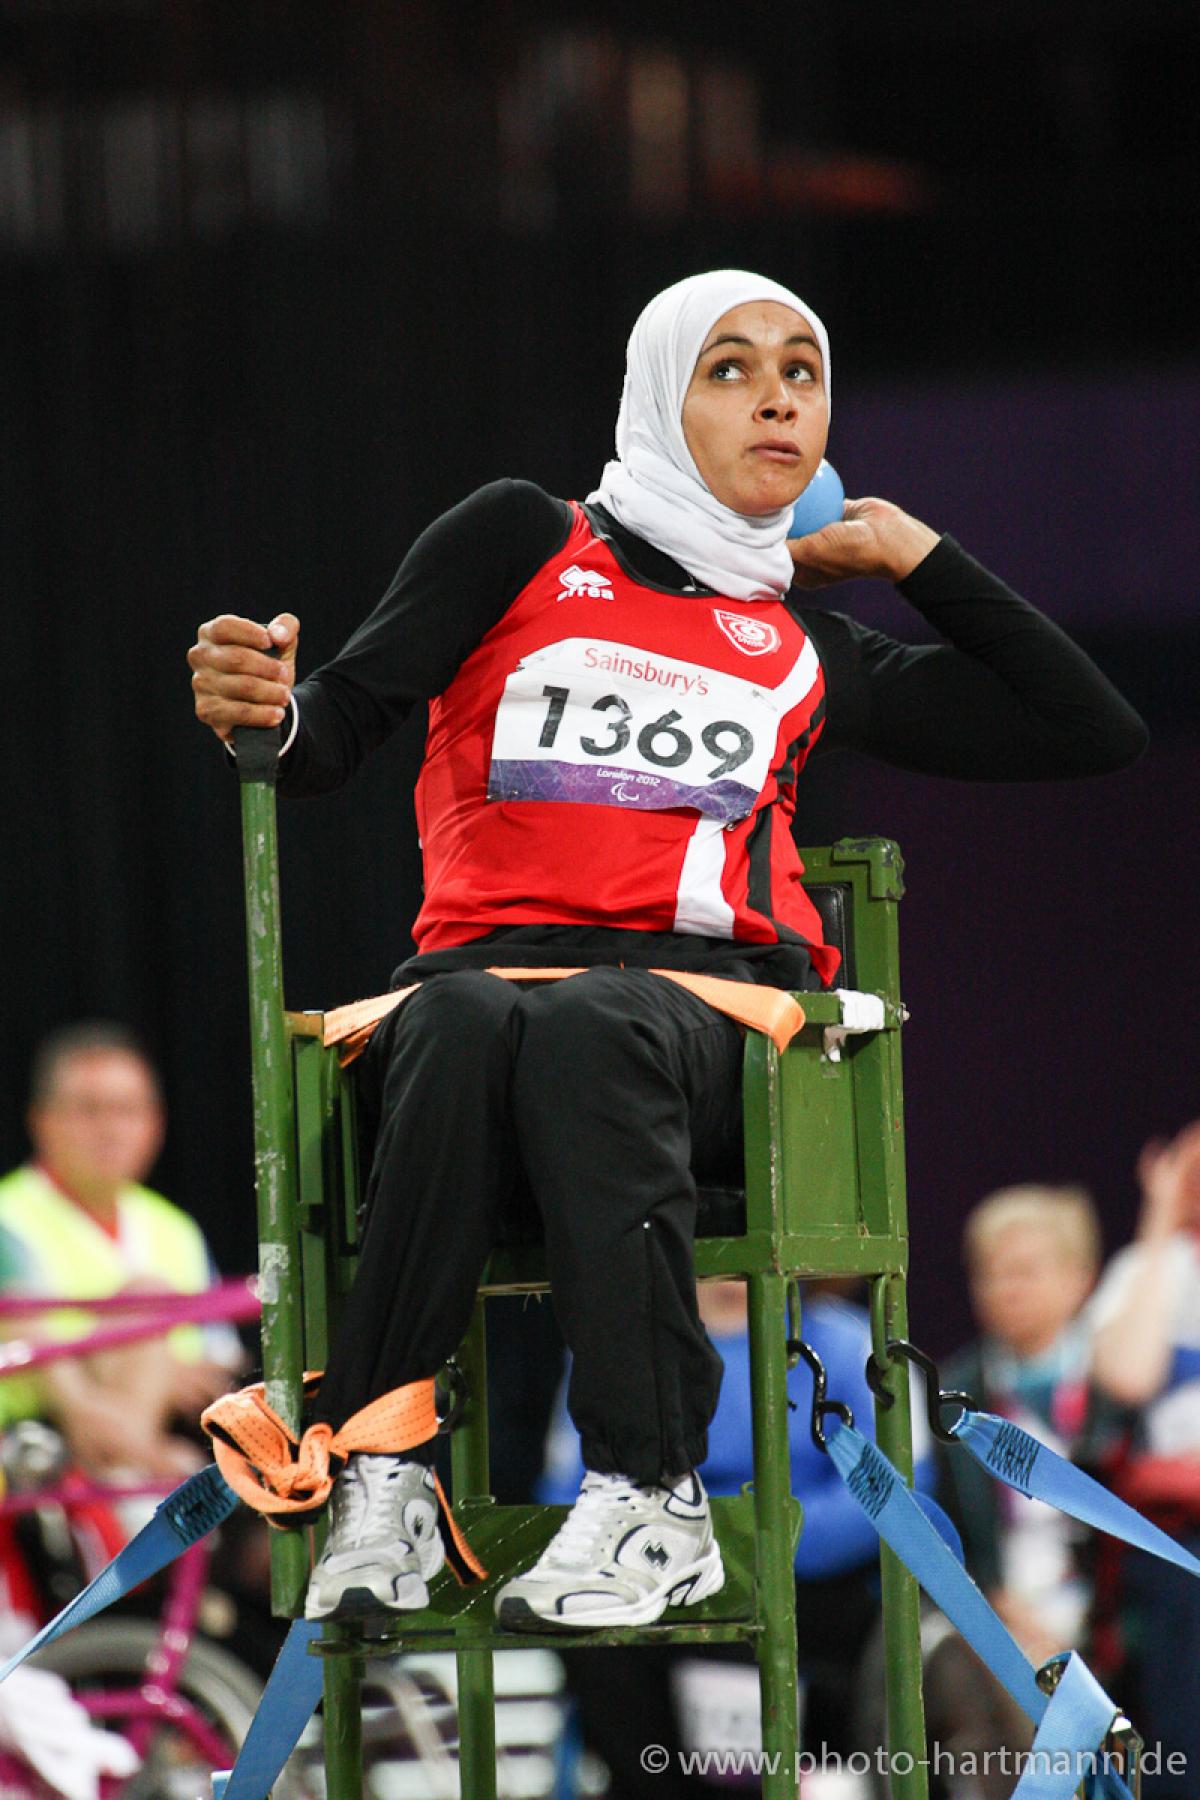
column 60, row 1249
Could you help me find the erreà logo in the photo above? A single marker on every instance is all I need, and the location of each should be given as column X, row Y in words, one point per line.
column 576, row 584
column 753, row 637
column 654, row 1553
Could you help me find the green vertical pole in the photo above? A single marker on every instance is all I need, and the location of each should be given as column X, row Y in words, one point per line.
column 469, row 1471
column 470, row 1476
column 909, row 1776
column 773, row 1513
column 274, row 1147
column 343, row 1728
column 476, row 1725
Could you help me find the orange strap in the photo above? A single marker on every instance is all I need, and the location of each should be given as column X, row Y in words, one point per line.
column 770, row 1010
column 277, row 1475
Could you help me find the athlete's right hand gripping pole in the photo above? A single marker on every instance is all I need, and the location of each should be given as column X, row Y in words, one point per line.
column 257, row 754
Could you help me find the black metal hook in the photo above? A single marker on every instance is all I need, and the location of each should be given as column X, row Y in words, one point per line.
column 936, row 1396
column 452, row 1390
column 821, row 1406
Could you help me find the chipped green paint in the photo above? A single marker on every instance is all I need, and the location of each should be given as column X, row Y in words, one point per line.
column 274, row 1158
column 274, row 1154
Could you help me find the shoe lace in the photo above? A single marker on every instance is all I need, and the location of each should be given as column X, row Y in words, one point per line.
column 362, row 1499
column 589, row 1521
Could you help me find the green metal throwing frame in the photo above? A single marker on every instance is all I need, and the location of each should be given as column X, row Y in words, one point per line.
column 825, row 1195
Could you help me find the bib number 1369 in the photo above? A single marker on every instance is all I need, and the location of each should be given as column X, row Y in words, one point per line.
column 662, row 742
column 605, row 724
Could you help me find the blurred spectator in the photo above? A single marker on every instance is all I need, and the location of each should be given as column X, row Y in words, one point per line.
column 1032, row 1256
column 75, row 1221
column 1146, row 1317
column 1147, row 1310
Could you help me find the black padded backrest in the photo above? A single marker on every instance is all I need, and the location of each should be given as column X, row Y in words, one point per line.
column 832, row 901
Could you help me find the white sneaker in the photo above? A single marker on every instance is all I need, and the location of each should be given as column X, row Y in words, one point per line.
column 624, row 1554
column 383, row 1547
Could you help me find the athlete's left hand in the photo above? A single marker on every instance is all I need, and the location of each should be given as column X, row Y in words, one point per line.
column 873, row 538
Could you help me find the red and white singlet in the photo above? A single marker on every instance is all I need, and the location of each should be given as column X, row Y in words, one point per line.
column 613, row 755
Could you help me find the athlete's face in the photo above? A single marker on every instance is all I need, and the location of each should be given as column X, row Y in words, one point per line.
column 756, row 415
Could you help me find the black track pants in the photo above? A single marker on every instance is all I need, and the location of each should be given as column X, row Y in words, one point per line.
column 595, row 1095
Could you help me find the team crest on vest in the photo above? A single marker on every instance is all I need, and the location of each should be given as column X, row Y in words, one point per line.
column 753, row 637
column 583, row 584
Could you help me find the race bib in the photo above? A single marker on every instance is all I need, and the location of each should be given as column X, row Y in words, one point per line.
column 605, row 724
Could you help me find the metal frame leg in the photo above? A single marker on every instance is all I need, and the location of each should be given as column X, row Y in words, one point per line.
column 909, row 1778
column 773, row 1514
column 343, row 1728
column 470, row 1475
column 476, row 1725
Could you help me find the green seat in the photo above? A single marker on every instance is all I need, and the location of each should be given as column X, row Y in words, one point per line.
column 824, row 1195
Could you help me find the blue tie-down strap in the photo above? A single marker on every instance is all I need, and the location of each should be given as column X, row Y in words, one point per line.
column 288, row 1703
column 900, row 1522
column 1067, row 1749
column 1016, row 1457
column 1072, row 1725
column 197, row 1506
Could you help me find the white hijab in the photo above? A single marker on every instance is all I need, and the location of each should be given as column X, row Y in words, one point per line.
column 654, row 487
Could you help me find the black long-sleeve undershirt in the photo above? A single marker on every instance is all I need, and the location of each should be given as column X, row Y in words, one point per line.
column 1006, row 697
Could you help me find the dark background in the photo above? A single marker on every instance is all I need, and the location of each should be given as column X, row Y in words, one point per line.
column 280, row 282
